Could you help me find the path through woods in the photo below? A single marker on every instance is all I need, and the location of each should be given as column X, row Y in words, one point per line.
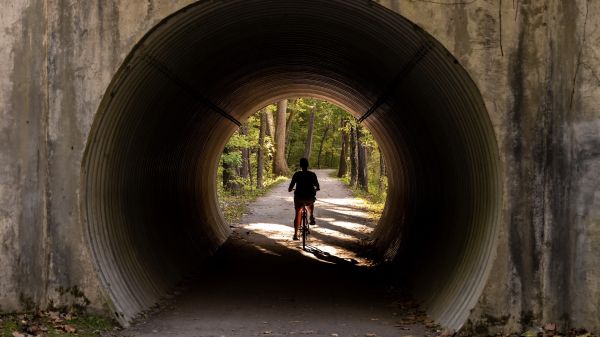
column 260, row 282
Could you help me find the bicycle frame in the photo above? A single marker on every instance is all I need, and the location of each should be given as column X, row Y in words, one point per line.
column 305, row 226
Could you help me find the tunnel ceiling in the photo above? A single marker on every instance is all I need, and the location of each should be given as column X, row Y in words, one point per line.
column 149, row 191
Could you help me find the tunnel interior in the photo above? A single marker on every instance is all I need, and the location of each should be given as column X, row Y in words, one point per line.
column 149, row 198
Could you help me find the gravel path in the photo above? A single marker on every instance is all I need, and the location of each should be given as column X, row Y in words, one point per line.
column 260, row 283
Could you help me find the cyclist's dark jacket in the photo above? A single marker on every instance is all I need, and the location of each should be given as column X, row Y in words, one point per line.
column 306, row 182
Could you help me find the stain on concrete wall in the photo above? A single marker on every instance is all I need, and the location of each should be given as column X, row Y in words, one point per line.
column 23, row 173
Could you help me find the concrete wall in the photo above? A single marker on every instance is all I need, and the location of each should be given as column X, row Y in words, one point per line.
column 537, row 66
column 58, row 58
column 535, row 62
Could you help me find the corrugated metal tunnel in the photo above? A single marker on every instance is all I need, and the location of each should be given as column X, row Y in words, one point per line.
column 149, row 174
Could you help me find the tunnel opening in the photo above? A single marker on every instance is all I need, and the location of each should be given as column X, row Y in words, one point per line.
column 260, row 158
column 328, row 136
column 149, row 201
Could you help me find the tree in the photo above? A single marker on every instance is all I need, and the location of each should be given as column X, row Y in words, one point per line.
column 260, row 153
column 343, row 168
column 321, row 145
column 381, row 172
column 230, row 161
column 288, row 127
column 363, row 172
column 280, row 166
column 270, row 124
column 353, row 156
column 245, row 152
column 309, row 134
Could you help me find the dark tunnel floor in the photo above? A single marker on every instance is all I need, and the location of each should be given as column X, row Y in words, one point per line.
column 261, row 283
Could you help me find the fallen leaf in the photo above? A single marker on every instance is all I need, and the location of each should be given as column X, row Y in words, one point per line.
column 371, row 334
column 529, row 333
column 70, row 328
column 35, row 330
column 268, row 332
column 334, row 335
column 18, row 334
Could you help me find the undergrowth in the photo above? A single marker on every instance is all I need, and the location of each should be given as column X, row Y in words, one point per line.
column 373, row 201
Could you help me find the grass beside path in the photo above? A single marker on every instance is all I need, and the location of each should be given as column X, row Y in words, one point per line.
column 373, row 202
column 53, row 324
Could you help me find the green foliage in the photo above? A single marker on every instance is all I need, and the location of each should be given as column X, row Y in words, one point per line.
column 8, row 325
column 233, row 158
column 327, row 115
column 327, row 136
column 374, row 201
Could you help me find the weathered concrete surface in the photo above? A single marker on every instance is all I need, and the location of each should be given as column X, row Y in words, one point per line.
column 536, row 64
column 72, row 50
column 22, row 155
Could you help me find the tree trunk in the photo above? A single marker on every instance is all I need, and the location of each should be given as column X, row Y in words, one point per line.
column 229, row 174
column 288, row 139
column 321, row 145
column 270, row 125
column 260, row 154
column 353, row 156
column 309, row 135
column 245, row 168
column 381, row 172
column 280, row 167
column 343, row 168
column 288, row 124
column 250, row 170
column 363, row 172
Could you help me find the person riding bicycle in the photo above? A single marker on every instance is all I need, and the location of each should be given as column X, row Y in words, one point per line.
column 307, row 186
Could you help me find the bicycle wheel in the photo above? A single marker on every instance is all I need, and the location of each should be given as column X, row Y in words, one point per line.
column 304, row 228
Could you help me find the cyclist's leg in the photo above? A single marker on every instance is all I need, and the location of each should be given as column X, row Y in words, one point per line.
column 311, row 208
column 297, row 218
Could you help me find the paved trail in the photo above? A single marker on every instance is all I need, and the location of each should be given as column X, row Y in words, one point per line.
column 260, row 283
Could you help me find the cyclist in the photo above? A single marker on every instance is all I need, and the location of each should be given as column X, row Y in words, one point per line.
column 307, row 186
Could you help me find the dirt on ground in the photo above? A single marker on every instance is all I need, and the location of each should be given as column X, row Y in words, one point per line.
column 261, row 282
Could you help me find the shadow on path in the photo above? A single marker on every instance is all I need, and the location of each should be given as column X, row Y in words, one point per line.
column 261, row 283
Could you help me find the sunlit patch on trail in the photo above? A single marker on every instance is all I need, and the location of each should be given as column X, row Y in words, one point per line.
column 342, row 225
column 353, row 226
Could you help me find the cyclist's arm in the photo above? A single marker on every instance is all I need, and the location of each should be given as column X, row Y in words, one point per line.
column 316, row 184
column 292, row 183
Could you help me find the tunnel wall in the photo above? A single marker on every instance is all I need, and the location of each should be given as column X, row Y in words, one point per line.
column 533, row 62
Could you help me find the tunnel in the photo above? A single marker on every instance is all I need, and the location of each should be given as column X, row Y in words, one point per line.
column 149, row 200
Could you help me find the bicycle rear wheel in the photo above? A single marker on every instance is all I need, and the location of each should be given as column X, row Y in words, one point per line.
column 304, row 228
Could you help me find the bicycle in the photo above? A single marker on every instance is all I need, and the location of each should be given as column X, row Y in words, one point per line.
column 305, row 226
